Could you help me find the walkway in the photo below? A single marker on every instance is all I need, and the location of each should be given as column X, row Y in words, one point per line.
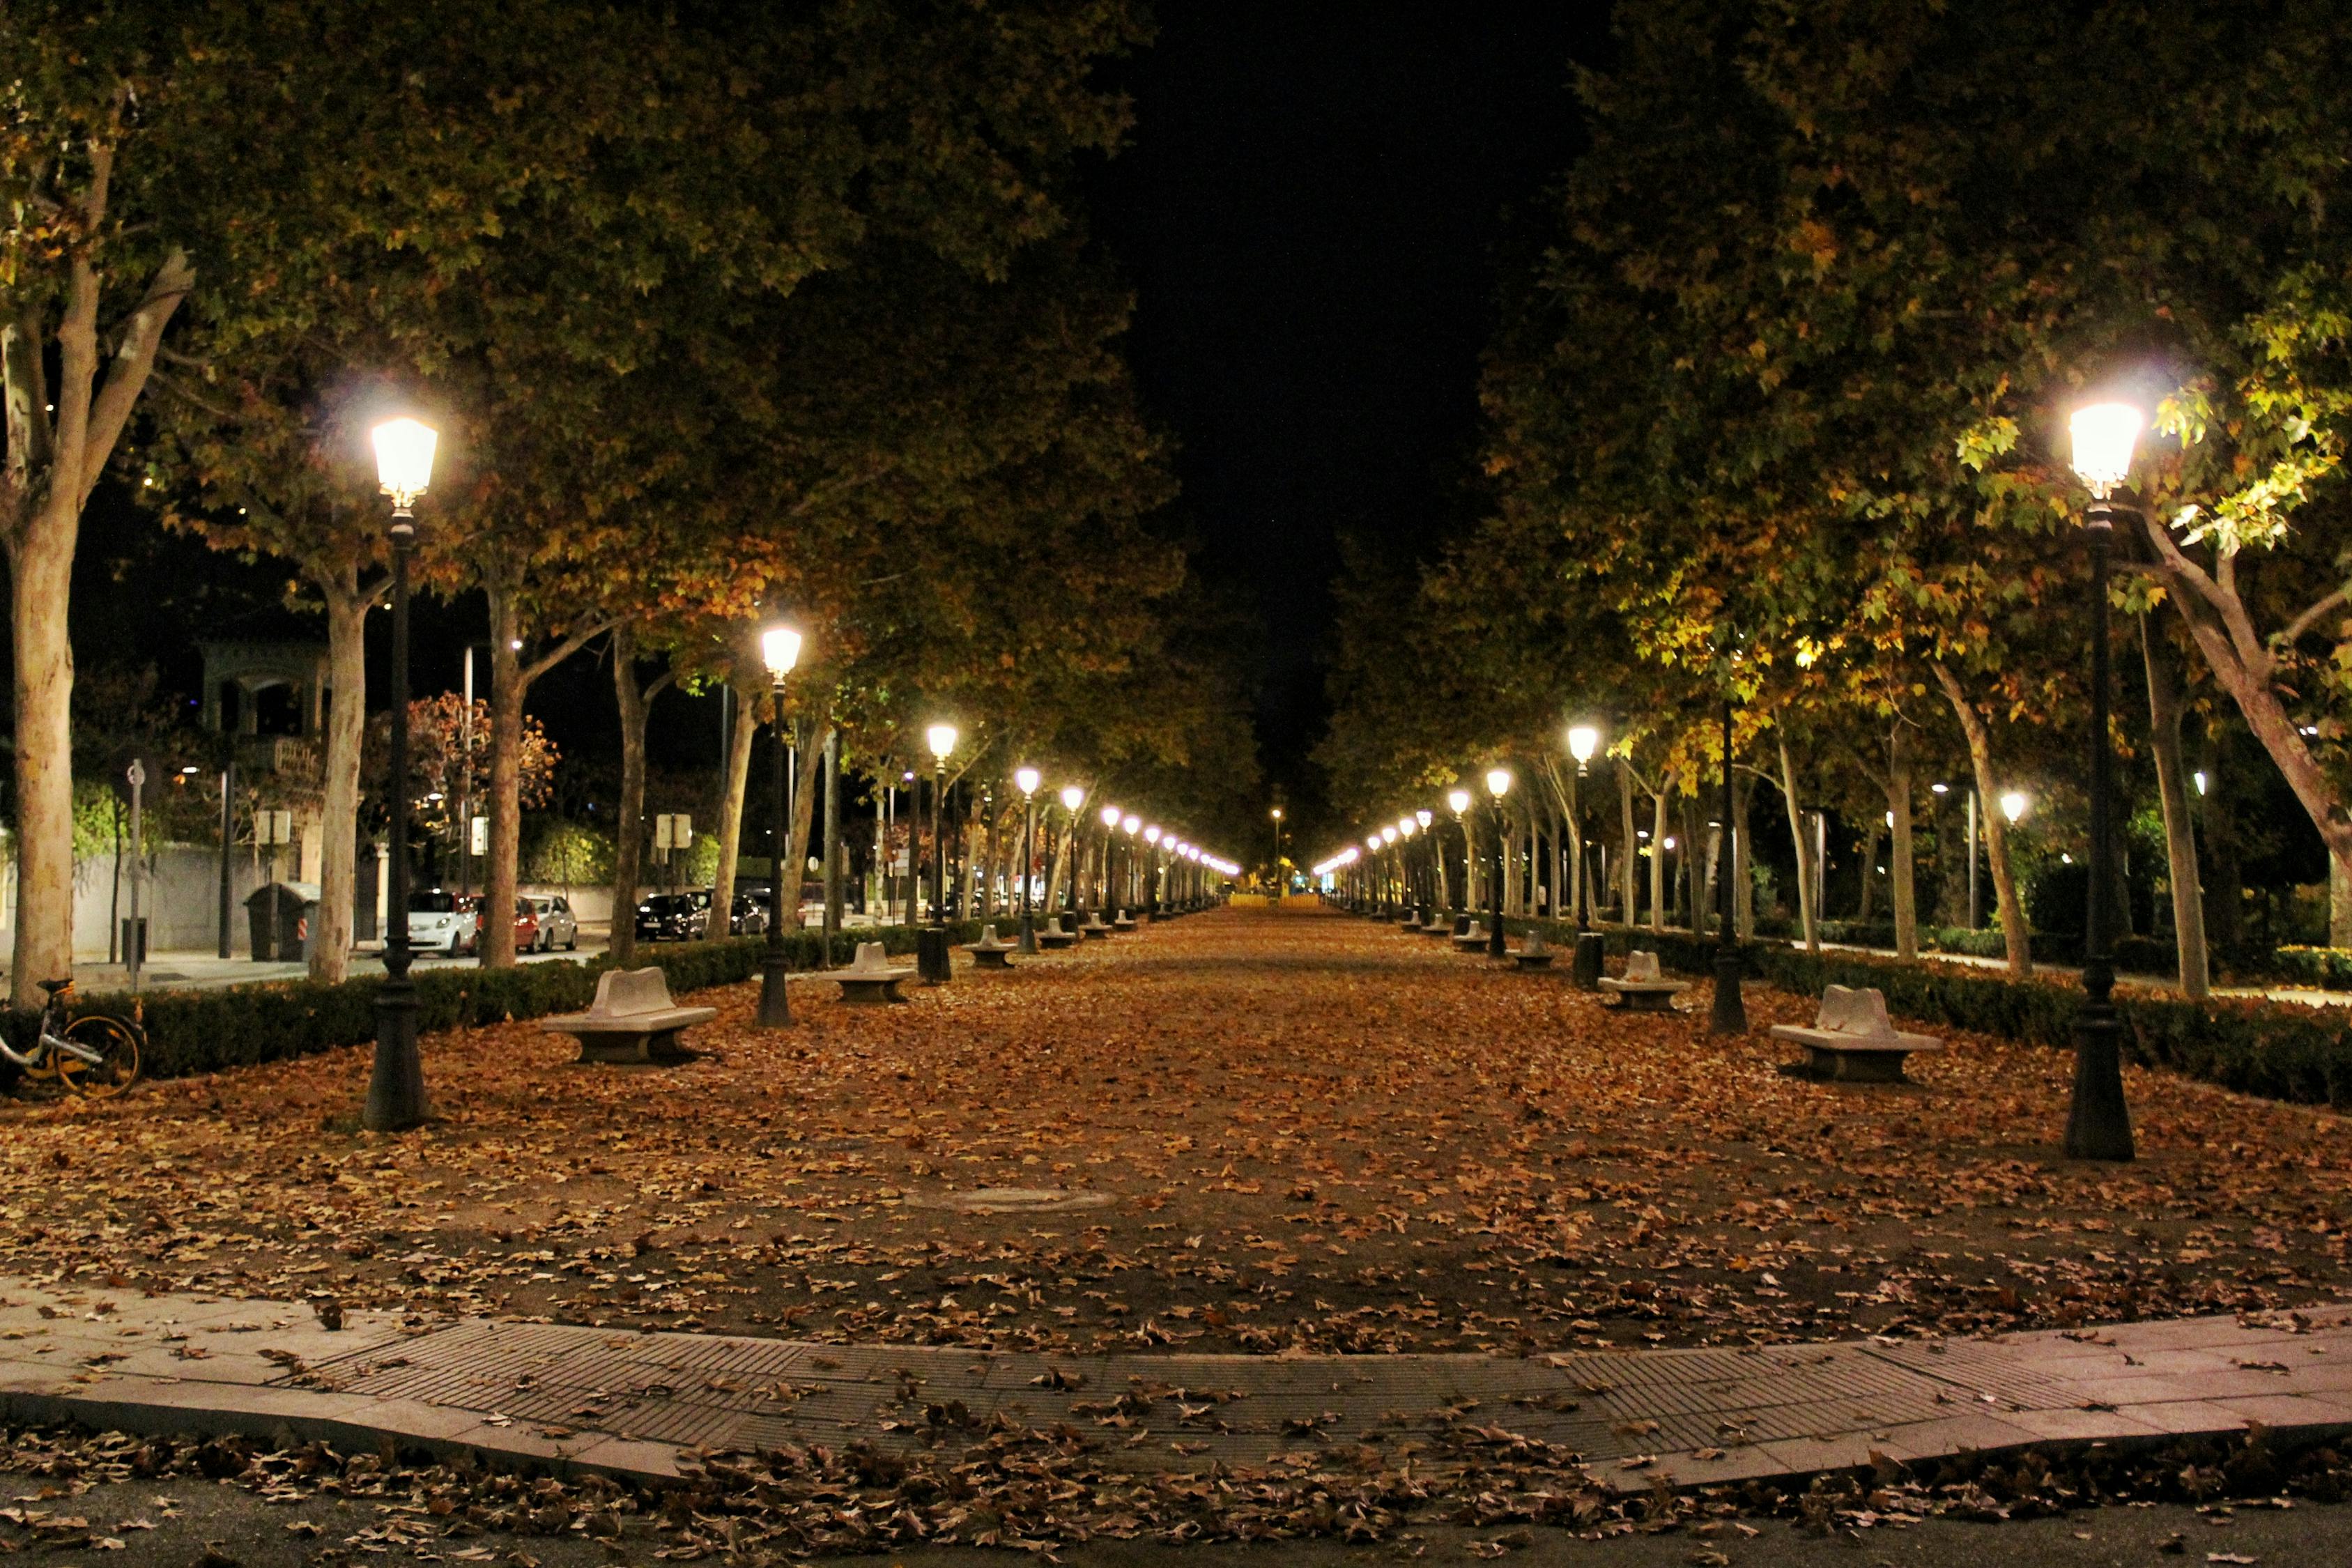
column 652, row 1406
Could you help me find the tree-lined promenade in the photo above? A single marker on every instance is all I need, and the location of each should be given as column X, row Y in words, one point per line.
column 1778, row 421
column 719, row 319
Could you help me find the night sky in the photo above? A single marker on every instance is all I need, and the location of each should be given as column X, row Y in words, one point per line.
column 1312, row 209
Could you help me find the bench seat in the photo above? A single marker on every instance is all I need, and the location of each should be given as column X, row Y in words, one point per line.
column 1642, row 988
column 989, row 953
column 1851, row 1041
column 871, row 981
column 632, row 1020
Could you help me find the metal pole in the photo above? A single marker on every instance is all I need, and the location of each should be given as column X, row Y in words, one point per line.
column 1028, row 850
column 833, row 899
column 2099, row 1124
column 775, row 1001
column 395, row 1097
column 1495, row 948
column 134, row 949
column 228, row 834
column 1730, row 1016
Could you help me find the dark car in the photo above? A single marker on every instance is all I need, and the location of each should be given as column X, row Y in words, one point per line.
column 674, row 917
column 749, row 915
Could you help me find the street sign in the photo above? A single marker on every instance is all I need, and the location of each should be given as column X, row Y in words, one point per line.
column 478, row 840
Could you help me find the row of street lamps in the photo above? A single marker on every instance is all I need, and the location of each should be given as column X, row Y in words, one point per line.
column 405, row 449
column 2104, row 439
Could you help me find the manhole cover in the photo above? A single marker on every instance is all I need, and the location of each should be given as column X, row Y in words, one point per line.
column 1015, row 1200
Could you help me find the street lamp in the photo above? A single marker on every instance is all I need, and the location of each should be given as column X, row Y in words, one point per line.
column 2098, row 1123
column 1129, row 824
column 1110, row 816
column 1498, row 785
column 1073, row 797
column 1584, row 742
column 1151, row 872
column 1279, row 880
column 396, row 1096
column 1026, row 781
column 2012, row 805
column 780, row 650
column 931, row 944
column 1458, row 802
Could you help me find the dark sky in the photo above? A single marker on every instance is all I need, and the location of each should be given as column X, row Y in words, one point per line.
column 1310, row 211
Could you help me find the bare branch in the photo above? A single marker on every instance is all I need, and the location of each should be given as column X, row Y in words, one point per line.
column 2304, row 622
column 577, row 639
column 134, row 360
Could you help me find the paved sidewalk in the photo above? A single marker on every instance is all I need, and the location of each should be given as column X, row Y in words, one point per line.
column 649, row 1406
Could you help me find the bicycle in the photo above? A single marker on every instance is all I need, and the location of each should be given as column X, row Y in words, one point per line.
column 94, row 1055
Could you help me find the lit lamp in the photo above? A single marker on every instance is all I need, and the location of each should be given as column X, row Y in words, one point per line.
column 1280, row 882
column 931, row 959
column 1584, row 742
column 780, row 650
column 2012, row 805
column 1152, row 835
column 1110, row 816
column 2098, row 1123
column 1026, row 781
column 396, row 1096
column 1457, row 801
column 1498, row 785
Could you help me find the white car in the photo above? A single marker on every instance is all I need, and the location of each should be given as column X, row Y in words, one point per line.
column 440, row 921
column 557, row 926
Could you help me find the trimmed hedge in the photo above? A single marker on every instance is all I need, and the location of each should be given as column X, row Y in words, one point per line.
column 2328, row 968
column 240, row 1026
column 2279, row 1050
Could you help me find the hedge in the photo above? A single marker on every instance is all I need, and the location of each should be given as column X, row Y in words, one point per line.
column 201, row 1031
column 2280, row 1050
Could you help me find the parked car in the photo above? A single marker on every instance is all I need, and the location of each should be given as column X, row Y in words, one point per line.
column 440, row 921
column 674, row 917
column 749, row 916
column 525, row 927
column 557, row 925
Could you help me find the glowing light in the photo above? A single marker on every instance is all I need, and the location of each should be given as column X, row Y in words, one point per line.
column 1026, row 780
column 942, row 740
column 1459, row 799
column 1073, row 797
column 2013, row 804
column 403, row 458
column 1498, row 782
column 1583, row 740
column 780, row 650
column 2104, row 435
column 1110, row 816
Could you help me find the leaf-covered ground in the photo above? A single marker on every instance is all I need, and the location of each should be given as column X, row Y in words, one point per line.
column 1314, row 1132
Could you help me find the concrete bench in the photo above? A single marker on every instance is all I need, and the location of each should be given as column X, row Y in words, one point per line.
column 633, row 1019
column 1533, row 954
column 1851, row 1041
column 989, row 953
column 1473, row 940
column 1055, row 934
column 1642, row 989
column 1123, row 920
column 1436, row 927
column 1094, row 930
column 872, row 981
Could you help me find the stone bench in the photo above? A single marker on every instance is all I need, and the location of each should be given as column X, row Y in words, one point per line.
column 1851, row 1041
column 872, row 981
column 633, row 1019
column 1533, row 954
column 1642, row 989
column 1055, row 934
column 1123, row 920
column 989, row 953
column 1436, row 927
column 1094, row 930
column 1474, row 940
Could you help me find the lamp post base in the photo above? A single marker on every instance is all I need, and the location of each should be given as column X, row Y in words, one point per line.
column 1589, row 948
column 2099, row 1125
column 931, row 960
column 1028, row 933
column 775, row 1003
column 1730, row 1015
column 396, row 1096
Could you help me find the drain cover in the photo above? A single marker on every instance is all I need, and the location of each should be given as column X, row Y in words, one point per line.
column 1016, row 1200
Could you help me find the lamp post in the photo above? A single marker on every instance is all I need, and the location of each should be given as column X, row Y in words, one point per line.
column 1074, row 797
column 1132, row 825
column 1027, row 780
column 1584, row 742
column 1279, row 880
column 2098, row 1123
column 780, row 650
column 1151, row 872
column 1730, row 1015
column 931, row 944
column 1110, row 816
column 1458, row 802
column 1498, row 785
column 396, row 1096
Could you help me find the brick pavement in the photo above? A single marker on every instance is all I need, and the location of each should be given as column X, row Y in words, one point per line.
column 646, row 1405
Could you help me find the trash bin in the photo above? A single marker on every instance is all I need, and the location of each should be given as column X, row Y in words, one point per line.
column 288, row 936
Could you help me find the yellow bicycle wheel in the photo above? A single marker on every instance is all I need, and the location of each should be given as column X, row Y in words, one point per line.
column 116, row 1044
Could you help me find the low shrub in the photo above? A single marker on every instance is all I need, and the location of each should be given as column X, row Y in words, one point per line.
column 240, row 1026
column 2279, row 1050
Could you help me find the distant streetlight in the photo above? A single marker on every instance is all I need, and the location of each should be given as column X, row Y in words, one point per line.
column 1110, row 816
column 1026, row 781
column 2098, row 1123
column 1279, row 881
column 1498, row 785
column 931, row 944
column 1584, row 742
column 780, row 650
column 395, row 1097
column 2012, row 805
column 1457, row 800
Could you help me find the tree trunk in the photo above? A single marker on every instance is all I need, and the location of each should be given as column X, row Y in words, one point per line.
column 628, row 825
column 507, row 687
column 1743, row 878
column 1629, row 859
column 1898, row 802
column 2164, row 705
column 1658, row 836
column 808, row 747
column 731, row 790
column 1806, row 871
column 1869, row 871
column 833, row 863
column 347, row 610
column 1991, row 822
column 41, row 571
